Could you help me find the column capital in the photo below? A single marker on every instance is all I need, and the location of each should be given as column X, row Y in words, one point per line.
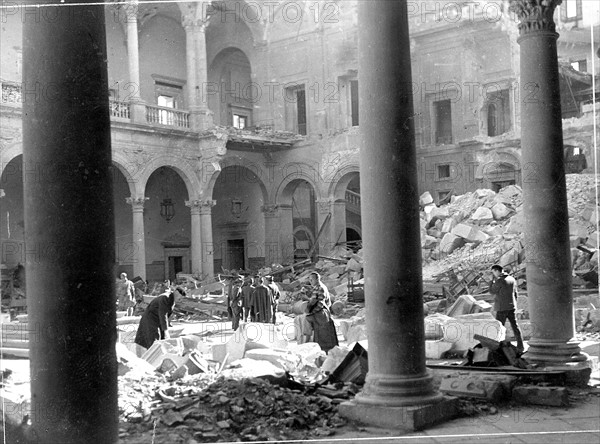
column 270, row 210
column 204, row 206
column 137, row 203
column 194, row 17
column 534, row 15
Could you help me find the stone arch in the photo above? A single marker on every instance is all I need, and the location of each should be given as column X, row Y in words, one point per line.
column 254, row 167
column 213, row 180
column 510, row 156
column 120, row 162
column 250, row 13
column 185, row 171
column 285, row 190
column 8, row 154
column 231, row 89
column 341, row 180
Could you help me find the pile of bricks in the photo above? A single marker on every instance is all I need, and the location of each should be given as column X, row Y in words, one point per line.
column 478, row 229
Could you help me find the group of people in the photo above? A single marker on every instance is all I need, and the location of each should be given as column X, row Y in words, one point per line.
column 252, row 299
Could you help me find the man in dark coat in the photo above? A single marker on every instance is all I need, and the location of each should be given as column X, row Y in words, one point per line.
column 247, row 289
column 262, row 304
column 234, row 302
column 155, row 320
column 504, row 288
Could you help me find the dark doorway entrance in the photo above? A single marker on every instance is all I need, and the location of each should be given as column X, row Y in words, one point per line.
column 175, row 266
column 235, row 254
column 497, row 186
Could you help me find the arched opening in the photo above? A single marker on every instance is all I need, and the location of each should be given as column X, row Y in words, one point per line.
column 347, row 190
column 500, row 175
column 304, row 218
column 125, row 246
column 231, row 92
column 237, row 220
column 12, row 219
column 492, row 120
column 167, row 225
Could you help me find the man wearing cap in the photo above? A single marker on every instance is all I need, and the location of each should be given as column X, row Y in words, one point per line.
column 504, row 288
column 275, row 295
column 262, row 303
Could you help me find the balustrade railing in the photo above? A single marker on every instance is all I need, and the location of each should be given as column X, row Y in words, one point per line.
column 167, row 116
column 119, row 109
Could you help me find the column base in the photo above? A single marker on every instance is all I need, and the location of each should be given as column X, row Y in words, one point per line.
column 408, row 418
column 552, row 352
column 577, row 374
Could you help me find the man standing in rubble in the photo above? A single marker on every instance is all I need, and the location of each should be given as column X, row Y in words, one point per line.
column 234, row 301
column 262, row 303
column 275, row 295
column 247, row 289
column 125, row 295
column 318, row 313
column 504, row 288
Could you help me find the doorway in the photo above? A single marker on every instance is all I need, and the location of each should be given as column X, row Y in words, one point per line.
column 235, row 254
column 175, row 266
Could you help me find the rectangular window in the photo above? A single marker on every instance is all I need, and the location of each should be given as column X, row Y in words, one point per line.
column 296, row 109
column 579, row 65
column 443, row 171
column 239, row 121
column 301, row 110
column 443, row 122
column 571, row 10
column 354, row 102
column 498, row 113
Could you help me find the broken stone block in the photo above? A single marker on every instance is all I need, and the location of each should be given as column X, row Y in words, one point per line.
column 482, row 215
column 511, row 257
column 463, row 305
column 440, row 212
column 551, row 396
column 469, row 233
column 341, row 289
column 335, row 356
column 481, row 306
column 434, row 233
column 250, row 368
column 425, row 199
column 435, row 349
column 354, row 265
column 356, row 333
column 430, row 242
column 500, row 211
column 283, row 360
column 510, row 191
column 484, row 192
column 434, row 326
column 428, row 209
column 448, row 225
column 577, row 230
column 494, row 231
column 337, row 308
column 450, row 242
column 575, row 241
column 592, row 240
column 516, row 224
column 490, row 387
column 461, row 329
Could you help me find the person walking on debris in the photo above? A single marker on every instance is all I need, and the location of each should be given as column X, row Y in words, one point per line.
column 275, row 294
column 318, row 313
column 504, row 288
column 155, row 320
column 262, row 303
column 247, row 289
column 125, row 295
column 234, row 302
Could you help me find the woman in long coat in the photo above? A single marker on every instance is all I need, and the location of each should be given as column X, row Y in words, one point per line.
column 155, row 320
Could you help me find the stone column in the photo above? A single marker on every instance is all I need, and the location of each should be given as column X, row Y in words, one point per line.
column 397, row 379
column 208, row 265
column 336, row 230
column 547, row 248
column 139, row 238
column 195, row 209
column 195, row 23
column 137, row 107
column 286, row 233
column 272, row 229
column 69, row 227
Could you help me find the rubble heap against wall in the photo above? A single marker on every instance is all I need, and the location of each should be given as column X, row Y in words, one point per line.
column 481, row 228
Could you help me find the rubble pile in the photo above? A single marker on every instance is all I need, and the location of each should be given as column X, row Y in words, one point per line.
column 478, row 229
column 249, row 409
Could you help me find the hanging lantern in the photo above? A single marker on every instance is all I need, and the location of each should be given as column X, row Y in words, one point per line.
column 167, row 209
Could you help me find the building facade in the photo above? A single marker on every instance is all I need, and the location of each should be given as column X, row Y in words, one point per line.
column 235, row 123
